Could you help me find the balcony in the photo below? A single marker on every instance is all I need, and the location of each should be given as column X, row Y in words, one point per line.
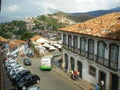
column 113, row 65
column 100, row 60
column 107, row 63
column 75, row 49
column 90, row 56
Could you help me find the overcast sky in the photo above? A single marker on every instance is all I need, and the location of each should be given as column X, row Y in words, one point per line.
column 19, row 8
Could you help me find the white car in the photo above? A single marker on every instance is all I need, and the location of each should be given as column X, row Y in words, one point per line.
column 16, row 66
column 8, row 60
column 13, row 71
column 9, row 63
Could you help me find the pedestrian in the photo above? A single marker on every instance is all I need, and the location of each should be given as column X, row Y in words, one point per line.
column 72, row 76
column 75, row 75
column 102, row 85
column 78, row 76
column 96, row 87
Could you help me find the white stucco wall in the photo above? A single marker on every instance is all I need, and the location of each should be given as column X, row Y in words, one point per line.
column 86, row 62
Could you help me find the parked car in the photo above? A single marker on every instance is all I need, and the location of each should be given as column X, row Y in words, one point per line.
column 19, row 75
column 4, row 59
column 27, row 61
column 19, row 66
column 10, row 64
column 29, row 55
column 13, row 65
column 27, row 81
column 12, row 76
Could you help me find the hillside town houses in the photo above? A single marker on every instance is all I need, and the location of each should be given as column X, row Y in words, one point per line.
column 93, row 48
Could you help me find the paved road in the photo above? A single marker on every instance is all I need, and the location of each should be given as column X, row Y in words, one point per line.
column 50, row 80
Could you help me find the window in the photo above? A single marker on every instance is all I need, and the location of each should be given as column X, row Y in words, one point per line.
column 69, row 42
column 101, row 51
column 66, row 61
column 114, row 52
column 72, row 61
column 91, row 49
column 75, row 43
column 92, row 71
column 64, row 38
column 82, row 46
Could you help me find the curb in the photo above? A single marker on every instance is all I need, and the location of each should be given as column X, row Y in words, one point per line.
column 67, row 78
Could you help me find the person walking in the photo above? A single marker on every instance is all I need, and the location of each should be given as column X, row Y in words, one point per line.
column 96, row 87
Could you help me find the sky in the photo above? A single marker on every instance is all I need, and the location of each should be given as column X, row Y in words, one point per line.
column 24, row 8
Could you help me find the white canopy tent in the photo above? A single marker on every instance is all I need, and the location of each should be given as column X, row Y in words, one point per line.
column 58, row 45
column 42, row 40
column 46, row 45
column 52, row 48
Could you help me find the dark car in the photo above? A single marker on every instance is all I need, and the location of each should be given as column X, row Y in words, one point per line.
column 29, row 55
column 20, row 75
column 27, row 61
column 27, row 81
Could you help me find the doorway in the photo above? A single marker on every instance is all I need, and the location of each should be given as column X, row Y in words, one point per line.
column 66, row 62
column 80, row 68
column 114, row 83
column 72, row 61
column 102, row 76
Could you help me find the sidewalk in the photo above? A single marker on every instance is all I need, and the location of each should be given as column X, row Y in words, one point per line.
column 84, row 85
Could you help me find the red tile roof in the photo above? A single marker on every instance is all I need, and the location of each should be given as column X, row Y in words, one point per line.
column 3, row 39
column 14, row 43
column 106, row 26
column 18, row 42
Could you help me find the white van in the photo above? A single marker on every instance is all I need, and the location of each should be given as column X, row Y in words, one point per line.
column 46, row 62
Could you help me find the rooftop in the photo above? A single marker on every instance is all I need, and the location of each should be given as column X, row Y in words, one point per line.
column 34, row 38
column 3, row 39
column 15, row 43
column 106, row 26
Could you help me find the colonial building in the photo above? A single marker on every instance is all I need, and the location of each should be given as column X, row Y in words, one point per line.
column 93, row 48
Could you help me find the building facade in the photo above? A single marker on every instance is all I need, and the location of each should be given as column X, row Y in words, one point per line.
column 93, row 49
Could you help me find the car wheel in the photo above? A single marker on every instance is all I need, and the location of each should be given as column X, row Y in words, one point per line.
column 38, row 81
column 23, row 88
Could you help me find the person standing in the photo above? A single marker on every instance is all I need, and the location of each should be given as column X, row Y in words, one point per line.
column 102, row 85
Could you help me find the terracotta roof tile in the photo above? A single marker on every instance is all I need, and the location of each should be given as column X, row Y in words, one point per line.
column 107, row 26
column 14, row 43
column 3, row 39
column 19, row 42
